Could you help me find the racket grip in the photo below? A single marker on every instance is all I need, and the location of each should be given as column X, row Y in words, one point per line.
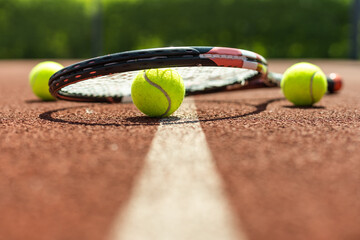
column 334, row 82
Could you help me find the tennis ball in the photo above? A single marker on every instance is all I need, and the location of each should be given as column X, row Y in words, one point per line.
column 158, row 92
column 304, row 84
column 39, row 79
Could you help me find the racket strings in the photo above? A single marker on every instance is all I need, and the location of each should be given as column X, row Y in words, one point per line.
column 196, row 79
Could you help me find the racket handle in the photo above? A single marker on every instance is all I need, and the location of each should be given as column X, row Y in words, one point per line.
column 334, row 81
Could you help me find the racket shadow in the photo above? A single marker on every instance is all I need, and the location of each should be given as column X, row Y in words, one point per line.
column 148, row 121
column 48, row 116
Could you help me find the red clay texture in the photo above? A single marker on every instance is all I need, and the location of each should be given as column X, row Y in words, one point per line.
column 67, row 168
column 290, row 172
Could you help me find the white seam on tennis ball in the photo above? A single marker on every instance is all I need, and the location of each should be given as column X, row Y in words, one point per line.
column 162, row 90
column 311, row 87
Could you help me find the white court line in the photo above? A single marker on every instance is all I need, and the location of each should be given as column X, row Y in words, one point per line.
column 178, row 195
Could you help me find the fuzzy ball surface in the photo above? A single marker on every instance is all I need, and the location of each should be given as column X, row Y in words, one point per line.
column 39, row 79
column 304, row 84
column 158, row 92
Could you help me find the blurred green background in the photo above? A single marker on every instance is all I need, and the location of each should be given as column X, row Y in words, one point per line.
column 86, row 28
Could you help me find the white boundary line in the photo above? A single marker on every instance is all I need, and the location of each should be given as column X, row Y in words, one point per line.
column 179, row 195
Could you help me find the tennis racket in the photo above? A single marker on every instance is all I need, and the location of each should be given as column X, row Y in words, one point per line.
column 204, row 70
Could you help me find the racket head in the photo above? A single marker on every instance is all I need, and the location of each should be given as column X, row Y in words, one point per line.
column 204, row 69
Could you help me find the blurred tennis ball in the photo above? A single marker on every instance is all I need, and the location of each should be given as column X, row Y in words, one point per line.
column 304, row 84
column 39, row 79
column 158, row 92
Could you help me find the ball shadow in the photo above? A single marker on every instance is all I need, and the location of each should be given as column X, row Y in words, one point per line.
column 145, row 119
column 304, row 107
column 31, row 101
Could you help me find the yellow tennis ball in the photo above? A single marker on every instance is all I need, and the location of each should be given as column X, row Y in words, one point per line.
column 158, row 92
column 304, row 84
column 39, row 79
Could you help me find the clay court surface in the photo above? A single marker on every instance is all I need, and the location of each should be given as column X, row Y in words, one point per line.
column 235, row 165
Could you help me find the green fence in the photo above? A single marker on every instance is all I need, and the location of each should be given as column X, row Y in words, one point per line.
column 80, row 29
